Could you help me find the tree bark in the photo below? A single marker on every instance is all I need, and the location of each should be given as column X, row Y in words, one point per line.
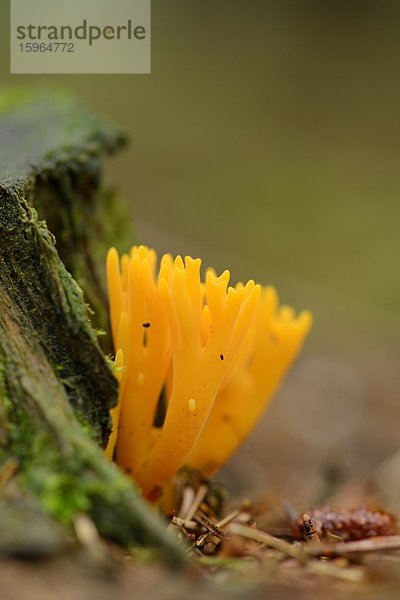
column 56, row 386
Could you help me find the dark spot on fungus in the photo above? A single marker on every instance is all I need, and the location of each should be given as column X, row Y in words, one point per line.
column 221, row 356
column 146, row 325
column 155, row 493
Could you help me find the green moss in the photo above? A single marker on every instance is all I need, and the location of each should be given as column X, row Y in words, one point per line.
column 58, row 494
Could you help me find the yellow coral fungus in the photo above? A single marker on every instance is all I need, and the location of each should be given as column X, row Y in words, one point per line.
column 218, row 351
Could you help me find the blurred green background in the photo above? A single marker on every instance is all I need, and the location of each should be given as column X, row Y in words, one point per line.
column 267, row 140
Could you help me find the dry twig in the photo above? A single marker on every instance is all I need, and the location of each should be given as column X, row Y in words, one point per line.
column 269, row 540
column 375, row 544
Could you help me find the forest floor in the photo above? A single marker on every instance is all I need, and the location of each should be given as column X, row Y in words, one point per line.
column 248, row 551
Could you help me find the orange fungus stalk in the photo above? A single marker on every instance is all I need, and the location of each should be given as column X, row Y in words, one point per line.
column 216, row 352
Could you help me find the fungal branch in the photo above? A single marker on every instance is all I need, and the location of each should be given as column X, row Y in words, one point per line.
column 141, row 333
column 271, row 344
column 218, row 351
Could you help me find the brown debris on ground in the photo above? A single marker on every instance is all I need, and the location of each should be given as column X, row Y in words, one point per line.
column 242, row 550
column 357, row 548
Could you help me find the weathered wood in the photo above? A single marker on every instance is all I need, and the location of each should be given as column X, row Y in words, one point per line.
column 52, row 149
column 56, row 386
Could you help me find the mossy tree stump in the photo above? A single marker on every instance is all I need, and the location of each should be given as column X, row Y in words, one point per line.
column 56, row 385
